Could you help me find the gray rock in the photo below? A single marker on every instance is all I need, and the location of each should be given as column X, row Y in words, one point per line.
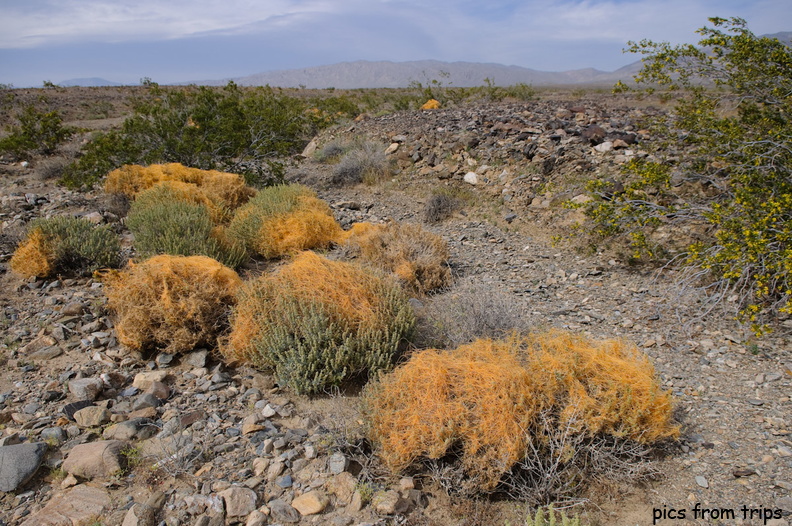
column 282, row 512
column 134, row 429
column 337, row 463
column 18, row 464
column 239, row 501
column 145, row 400
column 86, row 388
column 701, row 481
column 54, row 434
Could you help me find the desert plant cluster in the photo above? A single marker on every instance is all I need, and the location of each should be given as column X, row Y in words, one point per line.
column 319, row 323
column 215, row 251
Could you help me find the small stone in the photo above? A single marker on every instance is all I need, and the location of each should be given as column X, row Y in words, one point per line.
column 268, row 411
column 86, row 388
column 701, row 481
column 74, row 308
column 144, row 380
column 385, row 502
column 95, row 459
column 80, row 505
column 342, row 486
column 18, row 464
column 159, row 389
column 282, row 512
column 239, row 501
column 310, row 503
column 256, row 518
column 92, row 416
column 743, row 472
column 471, row 178
column 260, row 466
column 337, row 463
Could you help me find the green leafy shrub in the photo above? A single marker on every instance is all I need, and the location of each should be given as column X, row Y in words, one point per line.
column 317, row 322
column 733, row 118
column 163, row 224
column 231, row 129
column 282, row 220
column 62, row 244
column 37, row 132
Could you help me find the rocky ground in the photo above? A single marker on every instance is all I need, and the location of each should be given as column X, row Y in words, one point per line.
column 92, row 434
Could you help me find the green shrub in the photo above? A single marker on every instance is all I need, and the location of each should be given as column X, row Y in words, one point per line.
column 317, row 323
column 230, row 129
column 733, row 119
column 164, row 225
column 64, row 244
column 37, row 132
column 282, row 220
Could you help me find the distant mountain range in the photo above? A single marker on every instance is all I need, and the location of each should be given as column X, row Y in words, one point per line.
column 92, row 82
column 385, row 74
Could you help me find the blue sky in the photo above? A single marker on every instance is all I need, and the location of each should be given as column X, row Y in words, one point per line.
column 193, row 40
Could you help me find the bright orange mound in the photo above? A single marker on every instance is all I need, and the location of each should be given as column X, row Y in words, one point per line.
column 317, row 323
column 284, row 220
column 173, row 303
column 224, row 189
column 417, row 257
column 34, row 257
column 348, row 293
column 489, row 398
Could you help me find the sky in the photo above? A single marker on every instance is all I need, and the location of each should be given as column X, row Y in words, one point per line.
column 173, row 41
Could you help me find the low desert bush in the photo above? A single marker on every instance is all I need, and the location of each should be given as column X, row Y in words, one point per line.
column 362, row 163
column 223, row 189
column 179, row 228
column 467, row 312
column 441, row 205
column 317, row 323
column 177, row 191
column 495, row 406
column 171, row 303
column 417, row 257
column 68, row 245
column 283, row 220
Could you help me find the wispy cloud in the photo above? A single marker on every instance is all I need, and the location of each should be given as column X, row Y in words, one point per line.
column 543, row 34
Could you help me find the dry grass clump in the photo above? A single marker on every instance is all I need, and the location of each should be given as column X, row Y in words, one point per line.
column 283, row 220
column 441, row 205
column 35, row 256
column 171, row 303
column 417, row 257
column 318, row 322
column 225, row 189
column 361, row 163
column 489, row 404
column 469, row 311
column 69, row 245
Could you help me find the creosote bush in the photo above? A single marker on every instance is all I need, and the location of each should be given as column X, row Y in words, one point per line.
column 224, row 190
column 486, row 405
column 317, row 323
column 283, row 220
column 171, row 303
column 732, row 118
column 68, row 245
column 417, row 257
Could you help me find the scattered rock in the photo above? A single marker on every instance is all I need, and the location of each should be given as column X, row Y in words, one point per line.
column 18, row 464
column 95, row 459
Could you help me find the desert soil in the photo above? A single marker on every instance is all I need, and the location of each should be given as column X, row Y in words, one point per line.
column 732, row 389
